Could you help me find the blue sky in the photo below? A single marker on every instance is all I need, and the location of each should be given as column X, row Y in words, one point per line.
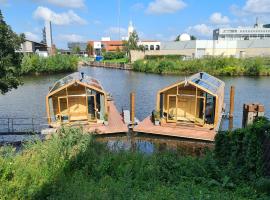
column 82, row 20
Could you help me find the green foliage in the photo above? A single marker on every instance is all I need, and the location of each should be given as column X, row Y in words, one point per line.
column 9, row 58
column 59, row 63
column 114, row 55
column 226, row 66
column 76, row 50
column 24, row 174
column 72, row 165
column 241, row 151
column 131, row 44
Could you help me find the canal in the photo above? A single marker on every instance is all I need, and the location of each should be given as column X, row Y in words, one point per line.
column 29, row 99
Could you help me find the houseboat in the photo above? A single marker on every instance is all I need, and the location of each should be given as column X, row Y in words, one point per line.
column 78, row 99
column 191, row 108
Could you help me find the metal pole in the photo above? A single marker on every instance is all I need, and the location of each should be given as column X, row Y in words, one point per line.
column 232, row 101
column 132, row 108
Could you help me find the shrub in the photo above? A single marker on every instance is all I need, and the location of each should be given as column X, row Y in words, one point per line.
column 213, row 65
column 58, row 63
column 114, row 55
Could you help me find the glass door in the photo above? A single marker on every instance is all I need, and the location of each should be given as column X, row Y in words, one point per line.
column 63, row 109
column 92, row 107
column 172, row 108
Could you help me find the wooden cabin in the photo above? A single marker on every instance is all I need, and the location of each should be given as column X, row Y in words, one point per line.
column 76, row 98
column 196, row 101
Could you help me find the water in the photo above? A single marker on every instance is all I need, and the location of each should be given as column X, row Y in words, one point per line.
column 29, row 99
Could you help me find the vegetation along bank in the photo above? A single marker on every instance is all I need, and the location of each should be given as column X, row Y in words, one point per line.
column 34, row 64
column 258, row 66
column 72, row 165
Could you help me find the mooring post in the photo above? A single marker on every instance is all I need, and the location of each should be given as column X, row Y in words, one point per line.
column 252, row 112
column 232, row 102
column 132, row 108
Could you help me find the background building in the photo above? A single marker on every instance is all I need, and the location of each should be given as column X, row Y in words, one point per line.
column 258, row 32
column 30, row 47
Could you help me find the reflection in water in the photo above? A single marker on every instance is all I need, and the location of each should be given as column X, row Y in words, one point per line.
column 149, row 144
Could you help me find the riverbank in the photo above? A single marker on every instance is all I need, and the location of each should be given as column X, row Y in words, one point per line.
column 72, row 165
column 218, row 66
column 122, row 66
column 34, row 64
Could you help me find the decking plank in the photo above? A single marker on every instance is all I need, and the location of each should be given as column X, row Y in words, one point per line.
column 146, row 126
column 116, row 123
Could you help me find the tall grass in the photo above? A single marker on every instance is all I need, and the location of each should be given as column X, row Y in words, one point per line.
column 228, row 66
column 71, row 165
column 34, row 64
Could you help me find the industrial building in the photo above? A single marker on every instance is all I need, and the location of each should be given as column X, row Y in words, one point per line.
column 258, row 32
column 30, row 47
column 202, row 48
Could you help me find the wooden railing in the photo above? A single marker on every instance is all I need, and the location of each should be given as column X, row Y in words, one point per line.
column 21, row 125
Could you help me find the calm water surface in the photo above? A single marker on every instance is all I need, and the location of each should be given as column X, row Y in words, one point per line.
column 29, row 99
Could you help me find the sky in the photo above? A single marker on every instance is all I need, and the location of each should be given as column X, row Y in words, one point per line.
column 84, row 20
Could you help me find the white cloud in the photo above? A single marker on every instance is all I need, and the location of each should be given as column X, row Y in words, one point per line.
column 115, row 31
column 64, row 3
column 71, row 37
column 32, row 36
column 257, row 6
column 217, row 18
column 201, row 30
column 165, row 6
column 64, row 18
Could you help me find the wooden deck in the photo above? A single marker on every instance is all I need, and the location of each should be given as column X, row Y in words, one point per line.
column 116, row 123
column 196, row 133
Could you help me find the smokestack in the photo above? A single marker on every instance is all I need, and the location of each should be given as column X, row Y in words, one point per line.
column 48, row 30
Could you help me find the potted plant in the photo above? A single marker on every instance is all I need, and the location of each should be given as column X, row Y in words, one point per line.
column 156, row 116
column 106, row 123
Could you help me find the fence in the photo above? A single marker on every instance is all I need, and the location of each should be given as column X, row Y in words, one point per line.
column 111, row 65
column 21, row 125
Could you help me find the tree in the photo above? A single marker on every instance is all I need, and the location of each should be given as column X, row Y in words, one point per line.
column 131, row 44
column 10, row 60
column 76, row 50
column 89, row 49
column 177, row 38
column 193, row 37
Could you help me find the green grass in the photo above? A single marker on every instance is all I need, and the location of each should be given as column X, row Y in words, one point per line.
column 120, row 60
column 225, row 66
column 72, row 165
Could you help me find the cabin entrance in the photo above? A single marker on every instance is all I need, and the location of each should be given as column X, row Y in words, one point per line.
column 186, row 108
column 91, row 105
column 77, row 108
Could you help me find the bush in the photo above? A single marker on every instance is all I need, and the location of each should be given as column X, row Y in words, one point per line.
column 228, row 66
column 72, row 165
column 113, row 55
column 54, row 64
column 241, row 151
column 24, row 174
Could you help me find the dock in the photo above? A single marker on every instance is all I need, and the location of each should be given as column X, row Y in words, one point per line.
column 147, row 126
column 115, row 125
